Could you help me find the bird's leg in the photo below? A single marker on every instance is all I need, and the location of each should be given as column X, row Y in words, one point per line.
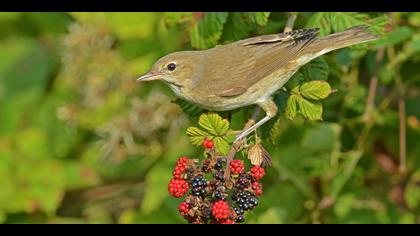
column 270, row 109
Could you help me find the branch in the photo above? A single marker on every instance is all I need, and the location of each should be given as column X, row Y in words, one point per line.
column 373, row 84
column 290, row 22
column 402, row 116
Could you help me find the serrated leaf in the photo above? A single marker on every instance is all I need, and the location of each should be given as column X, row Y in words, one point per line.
column 259, row 156
column 315, row 90
column 329, row 22
column 221, row 145
column 237, row 27
column 320, row 20
column 275, row 131
column 259, row 18
column 197, row 135
column 397, row 36
column 229, row 138
column 172, row 19
column 207, row 31
column 292, row 106
column 189, row 108
column 316, row 69
column 255, row 155
column 296, row 80
column 311, row 110
column 214, row 124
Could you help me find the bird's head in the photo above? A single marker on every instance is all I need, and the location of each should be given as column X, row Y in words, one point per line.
column 174, row 69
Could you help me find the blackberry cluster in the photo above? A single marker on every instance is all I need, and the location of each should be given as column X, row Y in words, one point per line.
column 212, row 197
column 198, row 185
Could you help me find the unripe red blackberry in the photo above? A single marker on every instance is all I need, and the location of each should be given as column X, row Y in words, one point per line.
column 257, row 187
column 237, row 166
column 221, row 210
column 257, row 172
column 178, row 187
column 227, row 222
column 184, row 207
column 208, row 144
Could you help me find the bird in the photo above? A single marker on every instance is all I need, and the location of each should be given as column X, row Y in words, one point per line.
column 249, row 71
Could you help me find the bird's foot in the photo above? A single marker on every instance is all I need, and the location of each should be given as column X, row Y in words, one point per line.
column 251, row 129
column 239, row 137
column 246, row 131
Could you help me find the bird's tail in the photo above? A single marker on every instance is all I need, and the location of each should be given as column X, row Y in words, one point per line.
column 349, row 37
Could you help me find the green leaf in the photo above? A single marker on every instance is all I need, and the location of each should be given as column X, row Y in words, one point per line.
column 320, row 20
column 259, row 18
column 214, row 124
column 329, row 22
column 237, row 27
column 156, row 191
column 323, row 138
column 206, row 33
column 276, row 130
column 189, row 108
column 274, row 215
column 271, row 131
column 397, row 36
column 221, row 145
column 316, row 69
column 292, row 106
column 316, row 90
column 197, row 135
column 311, row 110
column 296, row 80
column 412, row 191
column 172, row 19
column 124, row 25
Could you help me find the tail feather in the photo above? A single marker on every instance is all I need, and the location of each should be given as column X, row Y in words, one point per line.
column 352, row 36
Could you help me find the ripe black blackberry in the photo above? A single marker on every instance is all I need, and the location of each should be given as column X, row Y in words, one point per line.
column 219, row 175
column 243, row 181
column 219, row 195
column 240, row 218
column 207, row 214
column 245, row 200
column 198, row 185
column 238, row 211
column 219, row 163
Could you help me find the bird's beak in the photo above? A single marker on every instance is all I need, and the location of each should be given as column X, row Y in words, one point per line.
column 150, row 76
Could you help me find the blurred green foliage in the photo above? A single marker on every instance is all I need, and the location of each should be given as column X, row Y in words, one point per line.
column 82, row 142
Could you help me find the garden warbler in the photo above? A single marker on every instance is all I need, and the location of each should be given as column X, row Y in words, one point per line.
column 248, row 71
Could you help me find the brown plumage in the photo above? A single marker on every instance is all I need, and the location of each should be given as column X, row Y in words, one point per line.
column 248, row 71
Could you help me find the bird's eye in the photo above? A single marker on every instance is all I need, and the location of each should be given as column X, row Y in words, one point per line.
column 171, row 66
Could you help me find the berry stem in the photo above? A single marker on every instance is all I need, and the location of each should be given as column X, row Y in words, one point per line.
column 236, row 147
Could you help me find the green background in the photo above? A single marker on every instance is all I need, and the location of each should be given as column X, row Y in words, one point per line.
column 82, row 142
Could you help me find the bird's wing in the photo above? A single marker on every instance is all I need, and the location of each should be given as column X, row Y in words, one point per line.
column 244, row 63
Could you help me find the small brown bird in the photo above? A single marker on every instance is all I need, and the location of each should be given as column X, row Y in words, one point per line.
column 248, row 71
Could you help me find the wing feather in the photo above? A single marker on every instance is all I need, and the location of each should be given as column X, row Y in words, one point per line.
column 244, row 63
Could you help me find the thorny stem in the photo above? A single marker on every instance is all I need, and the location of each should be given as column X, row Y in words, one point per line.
column 402, row 115
column 373, row 84
column 236, row 147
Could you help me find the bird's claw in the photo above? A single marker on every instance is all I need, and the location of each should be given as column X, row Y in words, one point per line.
column 238, row 138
